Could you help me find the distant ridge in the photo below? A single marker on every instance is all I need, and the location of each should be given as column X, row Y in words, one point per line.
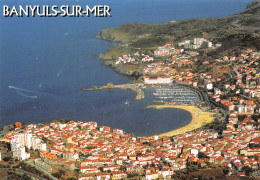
column 241, row 29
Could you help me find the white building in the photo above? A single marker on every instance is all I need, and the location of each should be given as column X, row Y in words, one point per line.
column 245, row 109
column 22, row 140
column 195, row 152
column 158, row 80
column 209, row 86
column 196, row 43
column 18, row 148
column 28, row 137
column 199, row 41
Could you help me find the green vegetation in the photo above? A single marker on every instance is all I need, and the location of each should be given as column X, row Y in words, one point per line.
column 7, row 128
column 235, row 32
column 63, row 121
column 115, row 52
column 216, row 125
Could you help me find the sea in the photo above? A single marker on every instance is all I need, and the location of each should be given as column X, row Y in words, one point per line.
column 45, row 61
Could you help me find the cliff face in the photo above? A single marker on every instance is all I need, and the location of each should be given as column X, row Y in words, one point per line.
column 115, row 35
column 252, row 8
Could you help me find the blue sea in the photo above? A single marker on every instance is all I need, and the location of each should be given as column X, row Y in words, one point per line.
column 44, row 62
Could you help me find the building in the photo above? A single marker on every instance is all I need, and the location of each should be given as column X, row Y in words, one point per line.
column 43, row 165
column 196, row 43
column 209, row 86
column 158, row 80
column 22, row 140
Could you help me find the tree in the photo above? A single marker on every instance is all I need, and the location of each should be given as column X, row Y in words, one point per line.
column 225, row 170
column 71, row 178
column 25, row 177
column 247, row 170
column 62, row 172
column 5, row 129
column 242, row 117
column 202, row 155
column 7, row 158
column 101, row 169
column 57, row 175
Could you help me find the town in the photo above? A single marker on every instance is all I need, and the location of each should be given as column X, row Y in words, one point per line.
column 230, row 145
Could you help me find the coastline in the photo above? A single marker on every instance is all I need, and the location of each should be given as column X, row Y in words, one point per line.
column 138, row 96
column 199, row 118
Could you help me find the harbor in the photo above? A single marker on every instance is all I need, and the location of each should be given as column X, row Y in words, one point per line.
column 164, row 93
column 175, row 93
column 169, row 96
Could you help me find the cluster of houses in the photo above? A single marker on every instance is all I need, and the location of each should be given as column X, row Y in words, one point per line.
column 197, row 43
column 160, row 67
column 249, row 74
column 109, row 153
column 164, row 69
column 166, row 50
column 181, row 62
column 244, row 71
column 153, row 69
column 106, row 153
column 246, row 85
column 184, row 77
column 127, row 58
column 101, row 151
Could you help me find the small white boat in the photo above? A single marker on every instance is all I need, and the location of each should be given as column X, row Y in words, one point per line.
column 126, row 102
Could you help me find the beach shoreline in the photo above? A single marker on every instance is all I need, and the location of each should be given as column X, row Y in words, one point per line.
column 199, row 118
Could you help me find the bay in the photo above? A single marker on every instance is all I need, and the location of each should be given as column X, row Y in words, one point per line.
column 53, row 58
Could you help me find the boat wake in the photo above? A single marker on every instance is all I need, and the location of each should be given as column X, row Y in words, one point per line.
column 59, row 72
column 21, row 91
column 25, row 95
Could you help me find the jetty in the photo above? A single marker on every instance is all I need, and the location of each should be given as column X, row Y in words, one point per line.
column 134, row 87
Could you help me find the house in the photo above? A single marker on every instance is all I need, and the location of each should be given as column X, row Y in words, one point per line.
column 166, row 172
column 86, row 176
column 119, row 175
column 103, row 176
column 66, row 139
column 89, row 169
column 149, row 176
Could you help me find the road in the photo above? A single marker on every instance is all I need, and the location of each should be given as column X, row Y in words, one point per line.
column 23, row 172
column 40, row 169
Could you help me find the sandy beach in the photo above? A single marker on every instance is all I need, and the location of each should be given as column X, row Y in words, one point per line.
column 199, row 118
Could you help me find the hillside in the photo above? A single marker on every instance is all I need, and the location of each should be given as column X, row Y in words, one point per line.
column 237, row 31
